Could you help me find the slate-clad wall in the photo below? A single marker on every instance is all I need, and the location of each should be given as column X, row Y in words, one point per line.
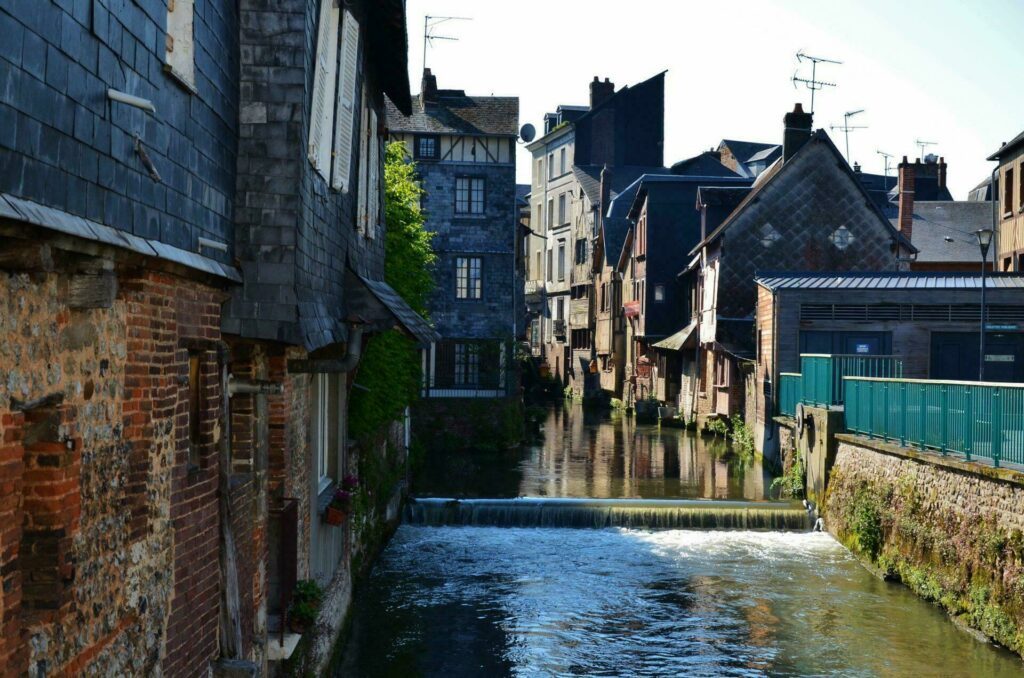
column 294, row 233
column 491, row 237
column 66, row 145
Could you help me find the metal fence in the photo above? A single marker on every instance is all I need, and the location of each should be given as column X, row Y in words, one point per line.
column 822, row 374
column 974, row 419
column 789, row 393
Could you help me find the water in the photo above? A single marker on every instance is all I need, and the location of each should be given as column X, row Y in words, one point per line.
column 476, row 601
column 587, row 454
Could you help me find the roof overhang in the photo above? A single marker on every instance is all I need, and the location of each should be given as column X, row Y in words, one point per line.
column 377, row 303
column 684, row 338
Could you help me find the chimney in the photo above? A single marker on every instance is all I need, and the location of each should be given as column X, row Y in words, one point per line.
column 606, row 190
column 600, row 92
column 941, row 175
column 906, row 199
column 428, row 88
column 796, row 133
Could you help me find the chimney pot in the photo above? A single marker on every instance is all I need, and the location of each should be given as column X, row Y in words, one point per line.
column 600, row 91
column 906, row 196
column 796, row 131
column 428, row 87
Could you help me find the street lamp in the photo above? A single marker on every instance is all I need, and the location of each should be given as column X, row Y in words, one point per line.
column 984, row 240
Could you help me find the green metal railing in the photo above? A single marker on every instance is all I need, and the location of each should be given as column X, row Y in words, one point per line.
column 789, row 393
column 969, row 418
column 822, row 374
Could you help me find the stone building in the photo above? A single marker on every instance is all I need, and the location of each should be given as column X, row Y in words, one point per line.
column 1009, row 196
column 464, row 147
column 181, row 267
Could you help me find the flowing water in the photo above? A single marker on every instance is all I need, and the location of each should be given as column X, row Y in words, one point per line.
column 466, row 589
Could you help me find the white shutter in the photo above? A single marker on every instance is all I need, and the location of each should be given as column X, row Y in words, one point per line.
column 321, row 114
column 373, row 196
column 346, row 102
column 364, row 165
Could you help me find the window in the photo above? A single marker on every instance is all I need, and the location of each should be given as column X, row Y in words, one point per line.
column 581, row 251
column 551, row 212
column 561, row 260
column 579, row 339
column 426, row 148
column 179, row 49
column 539, row 273
column 343, row 128
column 195, row 408
column 369, row 170
column 540, row 171
column 842, row 238
column 1020, row 189
column 468, row 284
column 469, row 195
column 1008, row 192
column 659, row 293
column 561, row 161
column 538, row 220
column 551, row 165
column 327, row 424
column 321, row 119
column 604, row 296
column 560, row 308
column 561, row 209
column 551, row 269
column 467, row 365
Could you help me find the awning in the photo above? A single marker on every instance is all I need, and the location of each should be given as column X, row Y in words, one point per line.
column 631, row 309
column 375, row 301
column 684, row 338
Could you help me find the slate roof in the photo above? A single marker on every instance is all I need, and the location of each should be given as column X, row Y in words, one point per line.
column 982, row 192
column 388, row 49
column 768, row 155
column 1005, row 149
column 722, row 196
column 743, row 151
column 925, row 188
column 904, row 280
column 522, row 193
column 406, row 316
column 705, row 164
column 457, row 113
column 765, row 178
column 679, row 340
column 878, row 187
column 623, row 176
column 944, row 230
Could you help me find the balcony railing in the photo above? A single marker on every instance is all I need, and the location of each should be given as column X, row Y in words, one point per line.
column 820, row 381
column 970, row 418
column 534, row 287
column 789, row 393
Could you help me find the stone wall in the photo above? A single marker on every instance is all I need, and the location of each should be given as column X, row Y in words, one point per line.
column 952, row 531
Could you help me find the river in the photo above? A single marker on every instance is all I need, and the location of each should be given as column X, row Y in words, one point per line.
column 496, row 601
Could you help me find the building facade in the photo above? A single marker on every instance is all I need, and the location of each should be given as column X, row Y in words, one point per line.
column 1009, row 198
column 181, row 264
column 465, row 151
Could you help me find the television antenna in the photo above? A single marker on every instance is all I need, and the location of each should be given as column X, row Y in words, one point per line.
column 813, row 84
column 922, row 144
column 432, row 22
column 846, row 128
column 886, row 157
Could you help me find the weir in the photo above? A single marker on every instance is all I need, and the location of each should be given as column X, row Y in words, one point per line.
column 702, row 514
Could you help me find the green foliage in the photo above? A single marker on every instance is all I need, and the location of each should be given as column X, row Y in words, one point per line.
column 742, row 437
column 866, row 521
column 791, row 484
column 718, row 427
column 617, row 404
column 390, row 371
column 306, row 601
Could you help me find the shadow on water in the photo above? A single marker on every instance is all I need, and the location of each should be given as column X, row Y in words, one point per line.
column 583, row 453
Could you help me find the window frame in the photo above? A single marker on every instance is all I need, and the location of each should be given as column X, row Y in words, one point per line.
column 418, row 139
column 465, row 267
column 472, row 207
column 561, row 261
column 179, row 43
column 1008, row 192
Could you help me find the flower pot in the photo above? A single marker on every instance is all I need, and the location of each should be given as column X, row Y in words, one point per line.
column 334, row 516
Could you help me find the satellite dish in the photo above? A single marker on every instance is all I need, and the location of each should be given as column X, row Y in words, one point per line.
column 527, row 132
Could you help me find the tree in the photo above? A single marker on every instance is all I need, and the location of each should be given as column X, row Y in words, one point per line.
column 390, row 371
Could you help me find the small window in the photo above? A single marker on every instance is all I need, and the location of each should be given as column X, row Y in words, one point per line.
column 1020, row 190
column 581, row 251
column 561, row 209
column 561, row 162
column 1008, row 192
column 551, row 165
column 467, row 365
column 540, row 170
column 468, row 282
column 551, row 212
column 195, row 408
column 561, row 260
column 179, row 55
column 551, row 268
column 426, row 148
column 560, row 309
column 469, row 195
column 659, row 293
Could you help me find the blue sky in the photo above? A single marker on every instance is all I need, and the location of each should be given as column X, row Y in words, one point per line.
column 949, row 72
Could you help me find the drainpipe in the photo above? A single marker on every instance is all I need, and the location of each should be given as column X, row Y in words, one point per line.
column 995, row 218
column 231, row 619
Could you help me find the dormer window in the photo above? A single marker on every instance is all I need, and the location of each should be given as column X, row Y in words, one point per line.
column 426, row 148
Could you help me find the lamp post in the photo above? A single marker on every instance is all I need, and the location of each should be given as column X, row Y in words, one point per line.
column 984, row 240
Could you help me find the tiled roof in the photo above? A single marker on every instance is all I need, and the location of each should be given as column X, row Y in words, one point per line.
column 457, row 113
column 743, row 151
column 944, row 230
column 1007, row 147
column 911, row 280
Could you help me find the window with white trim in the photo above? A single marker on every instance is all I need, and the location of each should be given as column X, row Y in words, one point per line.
column 327, row 427
column 179, row 49
column 321, row 118
column 345, row 125
column 426, row 148
column 468, row 278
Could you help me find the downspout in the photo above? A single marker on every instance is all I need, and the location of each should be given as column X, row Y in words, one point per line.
column 775, row 361
column 995, row 218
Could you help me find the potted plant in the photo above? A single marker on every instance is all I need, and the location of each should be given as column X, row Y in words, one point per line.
column 305, row 605
column 350, row 483
column 339, row 507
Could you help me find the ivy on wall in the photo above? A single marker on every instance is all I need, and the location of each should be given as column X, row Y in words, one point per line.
column 390, row 371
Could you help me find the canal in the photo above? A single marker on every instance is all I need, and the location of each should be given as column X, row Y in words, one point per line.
column 492, row 601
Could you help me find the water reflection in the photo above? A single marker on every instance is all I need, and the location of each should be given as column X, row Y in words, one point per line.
column 590, row 454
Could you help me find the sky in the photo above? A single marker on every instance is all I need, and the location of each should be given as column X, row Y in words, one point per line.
column 950, row 72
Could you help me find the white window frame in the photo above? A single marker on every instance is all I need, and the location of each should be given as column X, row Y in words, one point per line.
column 469, row 278
column 345, row 124
column 321, row 116
column 179, row 49
column 321, row 430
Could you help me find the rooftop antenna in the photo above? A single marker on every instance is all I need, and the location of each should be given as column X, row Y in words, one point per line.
column 813, row 84
column 429, row 24
column 886, row 158
column 922, row 144
column 846, row 127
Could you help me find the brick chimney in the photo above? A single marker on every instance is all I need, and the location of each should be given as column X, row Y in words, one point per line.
column 428, row 88
column 941, row 174
column 796, row 133
column 606, row 190
column 600, row 92
column 907, row 172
